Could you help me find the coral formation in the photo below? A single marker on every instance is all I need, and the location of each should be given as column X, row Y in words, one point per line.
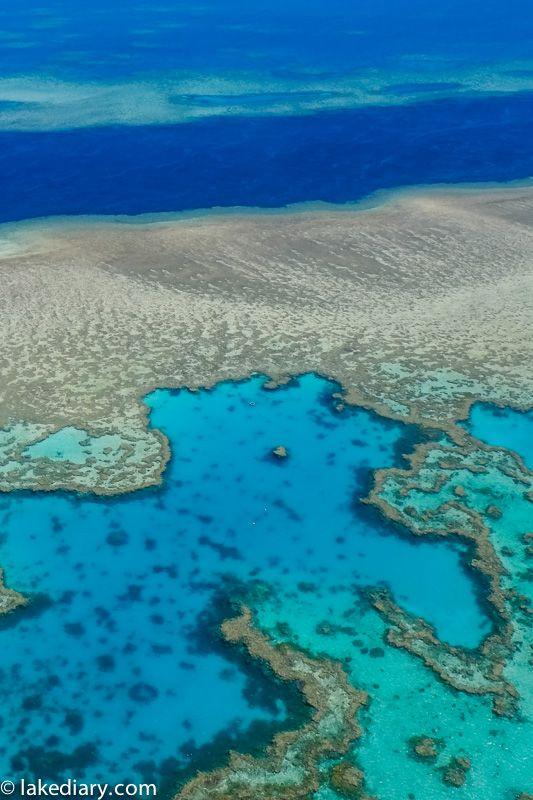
column 425, row 748
column 290, row 768
column 348, row 781
column 424, row 499
column 456, row 770
column 280, row 451
column 474, row 672
column 9, row 598
column 416, row 307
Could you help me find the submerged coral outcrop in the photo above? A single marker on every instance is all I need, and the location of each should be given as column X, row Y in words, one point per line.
column 424, row 747
column 455, row 771
column 290, row 768
column 9, row 598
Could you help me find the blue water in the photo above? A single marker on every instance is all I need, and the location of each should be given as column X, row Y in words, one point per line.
column 506, row 428
column 264, row 161
column 115, row 677
column 104, row 40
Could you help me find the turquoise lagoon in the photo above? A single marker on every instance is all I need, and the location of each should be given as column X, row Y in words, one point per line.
column 117, row 669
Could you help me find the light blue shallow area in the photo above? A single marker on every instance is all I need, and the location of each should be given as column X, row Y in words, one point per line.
column 503, row 428
column 112, row 663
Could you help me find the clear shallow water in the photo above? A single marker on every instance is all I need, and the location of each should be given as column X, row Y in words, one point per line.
column 112, row 663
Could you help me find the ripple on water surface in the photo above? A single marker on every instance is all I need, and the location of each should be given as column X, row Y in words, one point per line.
column 110, row 675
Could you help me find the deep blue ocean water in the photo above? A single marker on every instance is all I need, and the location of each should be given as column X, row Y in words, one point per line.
column 103, row 40
column 264, row 161
column 116, row 675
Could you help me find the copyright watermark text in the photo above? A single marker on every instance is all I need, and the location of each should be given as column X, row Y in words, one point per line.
column 74, row 788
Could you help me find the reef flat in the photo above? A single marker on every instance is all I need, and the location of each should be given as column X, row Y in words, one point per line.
column 417, row 307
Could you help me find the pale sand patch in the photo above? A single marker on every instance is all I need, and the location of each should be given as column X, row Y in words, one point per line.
column 417, row 307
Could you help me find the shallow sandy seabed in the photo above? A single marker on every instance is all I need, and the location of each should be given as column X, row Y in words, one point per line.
column 417, row 307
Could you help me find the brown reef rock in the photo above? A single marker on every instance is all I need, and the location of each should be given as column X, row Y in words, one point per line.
column 425, row 748
column 9, row 598
column 455, row 772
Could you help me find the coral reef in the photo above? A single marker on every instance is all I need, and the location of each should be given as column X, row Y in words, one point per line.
column 39, row 458
column 456, row 770
column 474, row 672
column 425, row 499
column 290, row 768
column 9, row 598
column 416, row 307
